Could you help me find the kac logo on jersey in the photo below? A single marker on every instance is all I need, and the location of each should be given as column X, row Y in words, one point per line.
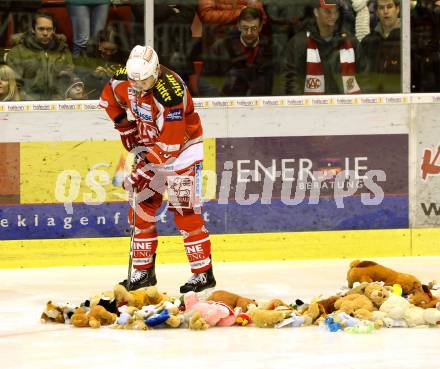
column 173, row 115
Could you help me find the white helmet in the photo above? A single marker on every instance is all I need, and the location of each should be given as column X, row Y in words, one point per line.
column 142, row 63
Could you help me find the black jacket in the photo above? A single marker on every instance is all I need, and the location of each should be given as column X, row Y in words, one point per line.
column 248, row 71
column 382, row 69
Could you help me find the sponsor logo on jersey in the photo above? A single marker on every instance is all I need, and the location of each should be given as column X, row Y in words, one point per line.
column 120, row 72
column 141, row 112
column 164, row 93
column 173, row 115
column 175, row 85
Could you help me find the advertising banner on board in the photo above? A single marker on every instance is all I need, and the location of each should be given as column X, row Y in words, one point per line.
column 427, row 167
column 73, row 189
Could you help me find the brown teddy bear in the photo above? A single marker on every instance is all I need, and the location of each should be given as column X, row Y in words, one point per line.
column 138, row 298
column 52, row 313
column 356, row 305
column 357, row 288
column 424, row 298
column 376, row 293
column 318, row 310
column 231, row 299
column 369, row 271
column 266, row 318
column 94, row 318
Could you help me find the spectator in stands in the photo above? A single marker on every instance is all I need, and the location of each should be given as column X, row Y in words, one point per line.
column 88, row 17
column 39, row 57
column 105, row 59
column 72, row 88
column 8, row 85
column 220, row 16
column 173, row 20
column 380, row 50
column 425, row 46
column 164, row 11
column 219, row 19
column 245, row 58
column 321, row 58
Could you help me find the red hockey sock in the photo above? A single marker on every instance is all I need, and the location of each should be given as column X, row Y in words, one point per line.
column 196, row 239
column 198, row 251
column 144, row 248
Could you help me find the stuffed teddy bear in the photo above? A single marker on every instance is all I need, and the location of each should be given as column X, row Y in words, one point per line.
column 357, row 288
column 357, row 305
column 419, row 317
column 106, row 299
column 231, row 299
column 395, row 307
column 263, row 318
column 369, row 271
column 214, row 313
column 138, row 298
column 52, row 313
column 129, row 319
column 272, row 304
column 318, row 310
column 424, row 298
column 80, row 318
column 432, row 316
column 377, row 293
column 68, row 311
column 294, row 321
column 197, row 323
column 169, row 317
column 94, row 318
column 414, row 316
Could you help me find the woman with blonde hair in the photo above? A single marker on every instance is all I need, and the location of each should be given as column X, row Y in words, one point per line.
column 8, row 85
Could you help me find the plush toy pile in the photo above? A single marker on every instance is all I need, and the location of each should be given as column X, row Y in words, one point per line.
column 376, row 297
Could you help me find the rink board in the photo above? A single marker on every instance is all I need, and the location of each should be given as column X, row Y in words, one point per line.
column 73, row 188
column 45, row 221
column 227, row 248
column 74, row 133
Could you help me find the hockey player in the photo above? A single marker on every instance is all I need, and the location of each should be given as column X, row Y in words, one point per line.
column 170, row 132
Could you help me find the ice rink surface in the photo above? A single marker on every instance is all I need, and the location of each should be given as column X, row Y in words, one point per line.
column 27, row 343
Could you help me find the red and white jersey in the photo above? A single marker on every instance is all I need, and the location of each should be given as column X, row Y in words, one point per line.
column 165, row 117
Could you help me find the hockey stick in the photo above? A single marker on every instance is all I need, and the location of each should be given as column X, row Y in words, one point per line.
column 132, row 234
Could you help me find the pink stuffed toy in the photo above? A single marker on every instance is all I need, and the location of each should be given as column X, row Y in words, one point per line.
column 214, row 313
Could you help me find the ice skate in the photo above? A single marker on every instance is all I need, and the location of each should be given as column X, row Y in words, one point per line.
column 199, row 282
column 141, row 279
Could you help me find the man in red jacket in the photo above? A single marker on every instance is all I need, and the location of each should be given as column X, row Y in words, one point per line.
column 166, row 134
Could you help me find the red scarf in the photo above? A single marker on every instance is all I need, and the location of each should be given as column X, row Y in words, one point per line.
column 315, row 83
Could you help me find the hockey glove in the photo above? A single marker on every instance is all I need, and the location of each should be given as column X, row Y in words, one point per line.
column 129, row 134
column 139, row 178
